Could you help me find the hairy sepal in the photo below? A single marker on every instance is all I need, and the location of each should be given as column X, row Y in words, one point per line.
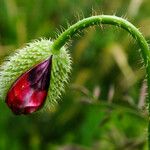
column 29, row 56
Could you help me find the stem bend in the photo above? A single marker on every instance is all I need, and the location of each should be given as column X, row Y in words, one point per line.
column 103, row 19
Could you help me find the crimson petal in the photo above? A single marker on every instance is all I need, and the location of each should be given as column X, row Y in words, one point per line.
column 29, row 91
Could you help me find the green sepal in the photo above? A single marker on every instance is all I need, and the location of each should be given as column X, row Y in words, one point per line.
column 31, row 55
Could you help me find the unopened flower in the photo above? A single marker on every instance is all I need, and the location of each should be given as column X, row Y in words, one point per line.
column 33, row 76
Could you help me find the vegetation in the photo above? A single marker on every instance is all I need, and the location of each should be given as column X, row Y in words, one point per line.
column 104, row 106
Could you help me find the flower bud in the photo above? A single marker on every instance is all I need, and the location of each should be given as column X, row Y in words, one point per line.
column 34, row 75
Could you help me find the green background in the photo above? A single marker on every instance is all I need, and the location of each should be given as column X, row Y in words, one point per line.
column 104, row 106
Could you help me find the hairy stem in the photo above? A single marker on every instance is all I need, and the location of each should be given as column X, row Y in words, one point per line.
column 116, row 21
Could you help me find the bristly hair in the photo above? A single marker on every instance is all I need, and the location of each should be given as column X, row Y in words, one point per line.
column 24, row 59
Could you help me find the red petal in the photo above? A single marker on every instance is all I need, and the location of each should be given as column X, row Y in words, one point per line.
column 29, row 92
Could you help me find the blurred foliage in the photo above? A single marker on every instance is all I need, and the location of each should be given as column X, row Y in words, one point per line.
column 104, row 107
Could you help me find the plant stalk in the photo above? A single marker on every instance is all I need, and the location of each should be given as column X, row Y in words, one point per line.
column 118, row 22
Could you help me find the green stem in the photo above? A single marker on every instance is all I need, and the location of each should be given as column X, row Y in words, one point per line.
column 116, row 21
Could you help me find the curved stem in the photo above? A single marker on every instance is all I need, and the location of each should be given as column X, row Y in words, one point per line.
column 116, row 21
column 103, row 19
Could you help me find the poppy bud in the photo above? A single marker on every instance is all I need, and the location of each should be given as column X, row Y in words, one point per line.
column 33, row 76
